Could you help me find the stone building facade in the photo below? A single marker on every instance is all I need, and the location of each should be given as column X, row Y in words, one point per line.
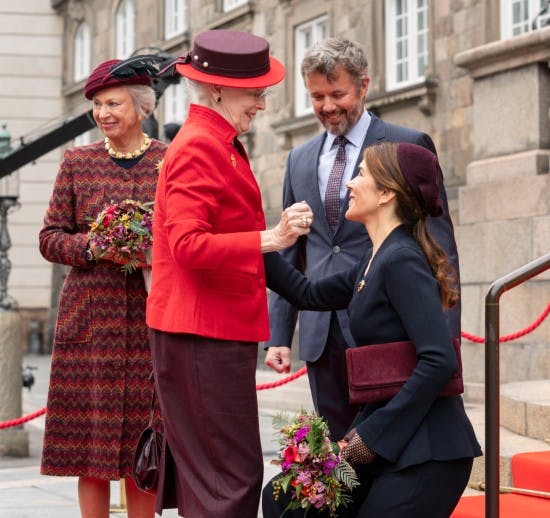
column 482, row 94
column 30, row 102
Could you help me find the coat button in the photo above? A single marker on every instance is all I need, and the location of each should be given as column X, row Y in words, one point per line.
column 336, row 249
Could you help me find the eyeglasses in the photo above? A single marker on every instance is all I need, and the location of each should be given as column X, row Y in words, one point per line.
column 259, row 94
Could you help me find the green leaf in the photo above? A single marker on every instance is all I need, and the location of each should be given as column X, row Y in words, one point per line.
column 285, row 482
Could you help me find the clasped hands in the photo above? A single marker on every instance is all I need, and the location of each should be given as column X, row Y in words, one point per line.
column 295, row 221
column 113, row 255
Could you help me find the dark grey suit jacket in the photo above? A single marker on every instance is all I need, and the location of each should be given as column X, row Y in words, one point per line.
column 325, row 253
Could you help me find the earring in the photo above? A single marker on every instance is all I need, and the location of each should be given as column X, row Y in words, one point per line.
column 219, row 99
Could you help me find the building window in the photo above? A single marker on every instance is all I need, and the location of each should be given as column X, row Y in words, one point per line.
column 125, row 34
column 228, row 5
column 305, row 35
column 406, row 42
column 83, row 139
column 517, row 16
column 82, row 52
column 175, row 17
column 174, row 103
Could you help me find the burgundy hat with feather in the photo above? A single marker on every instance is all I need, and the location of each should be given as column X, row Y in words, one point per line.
column 106, row 75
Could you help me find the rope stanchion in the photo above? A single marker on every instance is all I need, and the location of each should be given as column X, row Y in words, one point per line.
column 513, row 336
column 24, row 419
column 303, row 370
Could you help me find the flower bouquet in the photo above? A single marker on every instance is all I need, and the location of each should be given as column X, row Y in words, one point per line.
column 311, row 467
column 123, row 232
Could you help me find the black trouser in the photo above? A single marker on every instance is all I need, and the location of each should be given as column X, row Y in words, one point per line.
column 328, row 381
column 428, row 490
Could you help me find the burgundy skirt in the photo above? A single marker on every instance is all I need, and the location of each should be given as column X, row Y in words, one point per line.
column 213, row 457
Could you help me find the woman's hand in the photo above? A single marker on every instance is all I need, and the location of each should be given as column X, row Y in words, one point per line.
column 354, row 450
column 295, row 221
column 116, row 257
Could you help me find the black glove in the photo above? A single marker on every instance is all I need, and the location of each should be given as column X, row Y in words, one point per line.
column 356, row 451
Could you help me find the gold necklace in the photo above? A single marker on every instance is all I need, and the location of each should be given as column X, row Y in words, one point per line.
column 132, row 154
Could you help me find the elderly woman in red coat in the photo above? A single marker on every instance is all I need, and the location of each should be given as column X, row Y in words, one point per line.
column 208, row 306
column 100, row 391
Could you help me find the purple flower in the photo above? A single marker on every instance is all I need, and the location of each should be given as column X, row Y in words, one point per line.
column 329, row 465
column 301, row 433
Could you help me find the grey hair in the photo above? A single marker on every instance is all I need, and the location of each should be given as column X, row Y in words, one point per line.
column 327, row 57
column 197, row 92
column 144, row 99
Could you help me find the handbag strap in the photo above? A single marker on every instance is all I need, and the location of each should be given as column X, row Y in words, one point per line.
column 153, row 397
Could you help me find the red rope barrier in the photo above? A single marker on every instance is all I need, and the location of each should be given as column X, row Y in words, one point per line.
column 24, row 419
column 292, row 377
column 303, row 370
column 512, row 336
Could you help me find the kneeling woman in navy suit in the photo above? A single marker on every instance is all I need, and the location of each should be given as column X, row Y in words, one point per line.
column 414, row 452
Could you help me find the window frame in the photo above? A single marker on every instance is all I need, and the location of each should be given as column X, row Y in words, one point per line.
column 82, row 45
column 125, row 19
column 174, row 109
column 229, row 5
column 412, row 40
column 507, row 25
column 175, row 18
column 320, row 30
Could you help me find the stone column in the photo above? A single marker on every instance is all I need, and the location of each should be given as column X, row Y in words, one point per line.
column 13, row 441
column 504, row 208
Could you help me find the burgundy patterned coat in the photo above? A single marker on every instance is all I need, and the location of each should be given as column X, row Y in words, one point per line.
column 100, row 392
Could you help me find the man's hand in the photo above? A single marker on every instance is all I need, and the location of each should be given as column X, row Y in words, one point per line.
column 278, row 358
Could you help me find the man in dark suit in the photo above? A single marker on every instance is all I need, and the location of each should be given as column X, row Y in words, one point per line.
column 335, row 73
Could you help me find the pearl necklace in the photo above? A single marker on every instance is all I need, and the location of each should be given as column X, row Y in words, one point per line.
column 132, row 154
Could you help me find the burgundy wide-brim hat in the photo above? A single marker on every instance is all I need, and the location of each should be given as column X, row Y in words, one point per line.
column 231, row 58
column 421, row 170
column 101, row 78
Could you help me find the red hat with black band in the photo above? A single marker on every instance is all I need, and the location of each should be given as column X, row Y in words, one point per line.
column 231, row 58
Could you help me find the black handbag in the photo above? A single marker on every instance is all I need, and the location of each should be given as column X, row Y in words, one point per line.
column 146, row 467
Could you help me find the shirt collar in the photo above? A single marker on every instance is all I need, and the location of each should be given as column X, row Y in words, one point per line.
column 356, row 134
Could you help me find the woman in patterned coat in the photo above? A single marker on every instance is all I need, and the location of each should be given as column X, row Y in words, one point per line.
column 100, row 392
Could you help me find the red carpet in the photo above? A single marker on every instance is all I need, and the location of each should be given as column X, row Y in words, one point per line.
column 511, row 506
column 532, row 470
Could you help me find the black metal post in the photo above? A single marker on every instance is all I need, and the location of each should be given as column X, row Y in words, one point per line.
column 492, row 376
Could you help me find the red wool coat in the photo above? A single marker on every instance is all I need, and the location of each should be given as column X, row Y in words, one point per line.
column 208, row 272
column 100, row 391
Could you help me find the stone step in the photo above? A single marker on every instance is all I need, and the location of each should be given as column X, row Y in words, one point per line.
column 510, row 444
column 525, row 408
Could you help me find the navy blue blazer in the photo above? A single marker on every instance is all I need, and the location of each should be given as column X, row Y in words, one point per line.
column 328, row 253
column 400, row 301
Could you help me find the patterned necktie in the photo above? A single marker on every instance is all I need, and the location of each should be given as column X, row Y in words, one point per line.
column 332, row 194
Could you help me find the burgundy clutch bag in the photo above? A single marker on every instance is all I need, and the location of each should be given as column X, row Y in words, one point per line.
column 377, row 372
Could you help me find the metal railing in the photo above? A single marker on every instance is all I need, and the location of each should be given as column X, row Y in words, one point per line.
column 492, row 376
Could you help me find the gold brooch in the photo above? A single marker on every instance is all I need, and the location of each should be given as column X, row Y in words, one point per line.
column 233, row 160
column 361, row 285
